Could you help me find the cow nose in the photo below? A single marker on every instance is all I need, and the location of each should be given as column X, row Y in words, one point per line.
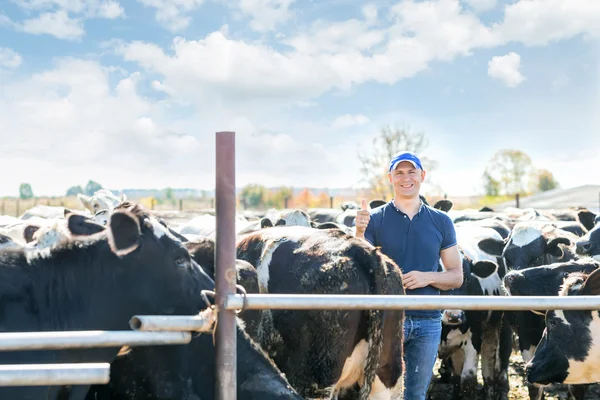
column 583, row 247
column 509, row 278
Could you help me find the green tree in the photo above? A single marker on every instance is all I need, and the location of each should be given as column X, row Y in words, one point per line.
column 92, row 187
column 168, row 193
column 545, row 180
column 277, row 198
column 374, row 166
column 74, row 190
column 510, row 168
column 491, row 185
column 252, row 196
column 25, row 191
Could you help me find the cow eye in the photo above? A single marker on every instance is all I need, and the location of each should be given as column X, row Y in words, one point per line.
column 552, row 323
column 181, row 262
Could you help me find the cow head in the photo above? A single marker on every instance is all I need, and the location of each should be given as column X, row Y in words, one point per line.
column 590, row 243
column 570, row 347
column 545, row 280
column 531, row 244
column 102, row 199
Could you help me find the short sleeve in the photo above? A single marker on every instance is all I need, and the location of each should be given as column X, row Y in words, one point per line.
column 449, row 234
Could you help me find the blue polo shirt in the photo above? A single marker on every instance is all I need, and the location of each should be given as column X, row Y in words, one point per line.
column 413, row 244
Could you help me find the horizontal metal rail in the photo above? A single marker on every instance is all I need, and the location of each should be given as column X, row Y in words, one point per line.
column 202, row 322
column 54, row 374
column 54, row 340
column 409, row 302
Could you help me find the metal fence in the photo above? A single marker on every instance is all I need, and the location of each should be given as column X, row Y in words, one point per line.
column 150, row 330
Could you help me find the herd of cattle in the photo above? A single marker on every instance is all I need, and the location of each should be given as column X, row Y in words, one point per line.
column 94, row 269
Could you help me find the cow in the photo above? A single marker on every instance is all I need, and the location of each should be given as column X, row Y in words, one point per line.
column 91, row 277
column 530, row 244
column 590, row 243
column 102, row 199
column 321, row 352
column 569, row 351
column 469, row 337
column 545, row 280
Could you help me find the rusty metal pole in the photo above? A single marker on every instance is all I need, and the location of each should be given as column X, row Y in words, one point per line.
column 225, row 275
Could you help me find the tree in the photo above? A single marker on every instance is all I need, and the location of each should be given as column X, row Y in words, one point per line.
column 374, row 168
column 25, row 191
column 491, row 185
column 168, row 193
column 277, row 198
column 510, row 168
column 74, row 190
column 252, row 195
column 304, row 199
column 545, row 180
column 92, row 187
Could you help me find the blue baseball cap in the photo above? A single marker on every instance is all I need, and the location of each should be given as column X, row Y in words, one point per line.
column 405, row 156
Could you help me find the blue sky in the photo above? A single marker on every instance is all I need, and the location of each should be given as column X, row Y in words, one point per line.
column 131, row 93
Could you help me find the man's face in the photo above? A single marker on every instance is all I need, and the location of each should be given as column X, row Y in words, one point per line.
column 406, row 179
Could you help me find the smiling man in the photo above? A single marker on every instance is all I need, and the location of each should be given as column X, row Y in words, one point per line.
column 415, row 236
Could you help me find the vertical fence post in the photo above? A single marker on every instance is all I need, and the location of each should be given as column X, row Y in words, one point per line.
column 330, row 201
column 17, row 210
column 517, row 199
column 225, row 276
column 3, row 209
column 180, row 204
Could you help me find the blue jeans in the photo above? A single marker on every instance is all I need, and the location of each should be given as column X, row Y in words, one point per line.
column 421, row 340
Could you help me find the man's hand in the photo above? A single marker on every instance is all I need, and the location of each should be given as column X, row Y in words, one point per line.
column 416, row 279
column 363, row 216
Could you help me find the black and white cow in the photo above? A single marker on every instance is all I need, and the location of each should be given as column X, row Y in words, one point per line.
column 530, row 244
column 545, row 280
column 471, row 337
column 569, row 351
column 590, row 243
column 89, row 277
column 322, row 352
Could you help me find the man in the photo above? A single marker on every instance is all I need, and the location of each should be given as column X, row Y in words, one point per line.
column 415, row 236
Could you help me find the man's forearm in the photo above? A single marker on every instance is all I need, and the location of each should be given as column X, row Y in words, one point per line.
column 446, row 280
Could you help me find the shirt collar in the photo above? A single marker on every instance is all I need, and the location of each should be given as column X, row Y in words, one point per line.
column 401, row 212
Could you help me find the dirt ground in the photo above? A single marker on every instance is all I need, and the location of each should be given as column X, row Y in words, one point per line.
column 518, row 391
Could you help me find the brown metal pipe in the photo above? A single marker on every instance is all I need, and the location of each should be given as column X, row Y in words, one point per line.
column 225, row 274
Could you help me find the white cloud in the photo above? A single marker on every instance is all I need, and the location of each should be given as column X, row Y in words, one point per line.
column 539, row 22
column 482, row 5
column 349, row 120
column 173, row 14
column 57, row 24
column 9, row 58
column 265, row 15
column 506, row 68
column 62, row 18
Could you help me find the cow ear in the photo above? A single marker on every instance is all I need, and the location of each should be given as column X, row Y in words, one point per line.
column 280, row 222
column 266, row 223
column 492, row 246
column 483, row 269
column 554, row 248
column 443, row 205
column 85, row 200
column 29, row 231
column 123, row 232
column 586, row 218
column 591, row 286
column 80, row 225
